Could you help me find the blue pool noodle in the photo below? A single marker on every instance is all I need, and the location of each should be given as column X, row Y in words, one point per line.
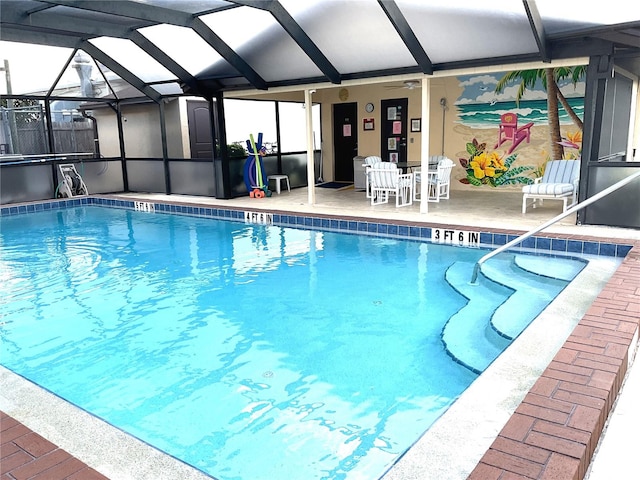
column 250, row 175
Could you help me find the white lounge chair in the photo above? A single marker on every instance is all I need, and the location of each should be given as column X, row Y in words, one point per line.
column 368, row 163
column 385, row 178
column 438, row 179
column 559, row 182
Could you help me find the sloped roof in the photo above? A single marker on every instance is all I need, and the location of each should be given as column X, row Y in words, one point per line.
column 200, row 47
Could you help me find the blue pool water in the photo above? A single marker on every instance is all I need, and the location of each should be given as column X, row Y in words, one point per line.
column 249, row 352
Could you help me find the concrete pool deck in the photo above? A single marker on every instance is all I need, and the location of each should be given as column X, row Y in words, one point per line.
column 571, row 363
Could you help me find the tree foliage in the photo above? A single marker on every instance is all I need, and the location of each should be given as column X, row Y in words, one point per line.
column 549, row 78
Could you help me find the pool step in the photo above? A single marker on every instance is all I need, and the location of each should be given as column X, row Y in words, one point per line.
column 467, row 336
column 532, row 291
column 563, row 268
column 511, row 291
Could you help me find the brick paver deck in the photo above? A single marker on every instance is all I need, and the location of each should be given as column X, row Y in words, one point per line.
column 554, row 431
column 26, row 455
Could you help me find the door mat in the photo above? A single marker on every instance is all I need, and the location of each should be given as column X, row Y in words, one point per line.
column 337, row 185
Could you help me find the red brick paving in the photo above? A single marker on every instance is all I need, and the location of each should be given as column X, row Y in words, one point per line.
column 26, row 455
column 554, row 431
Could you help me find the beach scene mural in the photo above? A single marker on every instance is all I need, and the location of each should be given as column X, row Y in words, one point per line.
column 509, row 124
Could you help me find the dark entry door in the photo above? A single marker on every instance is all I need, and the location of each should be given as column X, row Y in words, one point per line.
column 345, row 140
column 199, row 129
column 394, row 130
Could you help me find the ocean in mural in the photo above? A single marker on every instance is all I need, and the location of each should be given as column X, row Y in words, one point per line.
column 487, row 115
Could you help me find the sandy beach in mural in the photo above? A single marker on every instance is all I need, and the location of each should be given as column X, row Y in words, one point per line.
column 534, row 154
column 476, row 114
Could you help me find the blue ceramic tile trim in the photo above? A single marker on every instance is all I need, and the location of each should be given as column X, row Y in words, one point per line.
column 487, row 239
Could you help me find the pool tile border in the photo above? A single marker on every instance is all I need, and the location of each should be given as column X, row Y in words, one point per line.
column 544, row 243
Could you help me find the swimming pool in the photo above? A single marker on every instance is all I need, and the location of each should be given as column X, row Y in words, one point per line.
column 290, row 363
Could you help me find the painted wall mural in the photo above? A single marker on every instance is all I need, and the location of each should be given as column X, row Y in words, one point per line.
column 515, row 122
column 489, row 168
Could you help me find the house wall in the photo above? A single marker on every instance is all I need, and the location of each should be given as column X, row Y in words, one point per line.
column 107, row 132
column 184, row 127
column 141, row 130
column 173, row 121
column 369, row 141
column 455, row 126
column 459, row 116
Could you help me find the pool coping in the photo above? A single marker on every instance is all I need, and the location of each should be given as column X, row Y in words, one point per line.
column 554, row 431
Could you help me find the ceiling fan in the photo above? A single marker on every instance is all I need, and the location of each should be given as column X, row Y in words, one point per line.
column 408, row 84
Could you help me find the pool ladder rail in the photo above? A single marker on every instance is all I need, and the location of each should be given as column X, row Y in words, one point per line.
column 575, row 208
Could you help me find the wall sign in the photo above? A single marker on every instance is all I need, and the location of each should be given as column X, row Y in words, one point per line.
column 144, row 207
column 259, row 218
column 455, row 237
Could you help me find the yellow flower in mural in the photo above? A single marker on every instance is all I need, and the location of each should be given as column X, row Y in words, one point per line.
column 498, row 162
column 484, row 168
column 486, row 164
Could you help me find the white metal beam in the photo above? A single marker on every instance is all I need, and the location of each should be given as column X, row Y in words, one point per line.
column 311, row 174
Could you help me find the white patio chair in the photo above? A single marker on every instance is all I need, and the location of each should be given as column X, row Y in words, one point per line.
column 438, row 179
column 368, row 163
column 559, row 182
column 385, row 178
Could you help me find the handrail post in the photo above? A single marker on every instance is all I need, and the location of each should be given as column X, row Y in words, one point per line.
column 575, row 208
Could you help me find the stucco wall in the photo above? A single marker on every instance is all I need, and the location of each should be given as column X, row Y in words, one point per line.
column 450, row 131
column 141, row 130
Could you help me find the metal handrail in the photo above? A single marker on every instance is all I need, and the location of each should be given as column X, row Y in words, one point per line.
column 566, row 213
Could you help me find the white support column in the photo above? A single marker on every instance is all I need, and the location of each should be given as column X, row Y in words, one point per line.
column 311, row 174
column 424, row 143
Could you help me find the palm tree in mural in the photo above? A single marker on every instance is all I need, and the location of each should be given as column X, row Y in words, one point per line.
column 575, row 74
column 549, row 78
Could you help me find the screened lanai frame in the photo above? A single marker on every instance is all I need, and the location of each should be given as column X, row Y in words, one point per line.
column 265, row 45
column 120, row 168
column 242, row 43
column 125, row 160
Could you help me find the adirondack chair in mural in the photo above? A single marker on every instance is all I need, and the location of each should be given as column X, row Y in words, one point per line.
column 509, row 131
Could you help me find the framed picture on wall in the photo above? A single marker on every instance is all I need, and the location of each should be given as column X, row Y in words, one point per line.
column 393, row 157
column 392, row 143
column 415, row 124
column 368, row 124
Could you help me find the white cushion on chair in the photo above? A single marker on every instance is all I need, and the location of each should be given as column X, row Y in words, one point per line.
column 559, row 182
column 386, row 179
column 551, row 189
